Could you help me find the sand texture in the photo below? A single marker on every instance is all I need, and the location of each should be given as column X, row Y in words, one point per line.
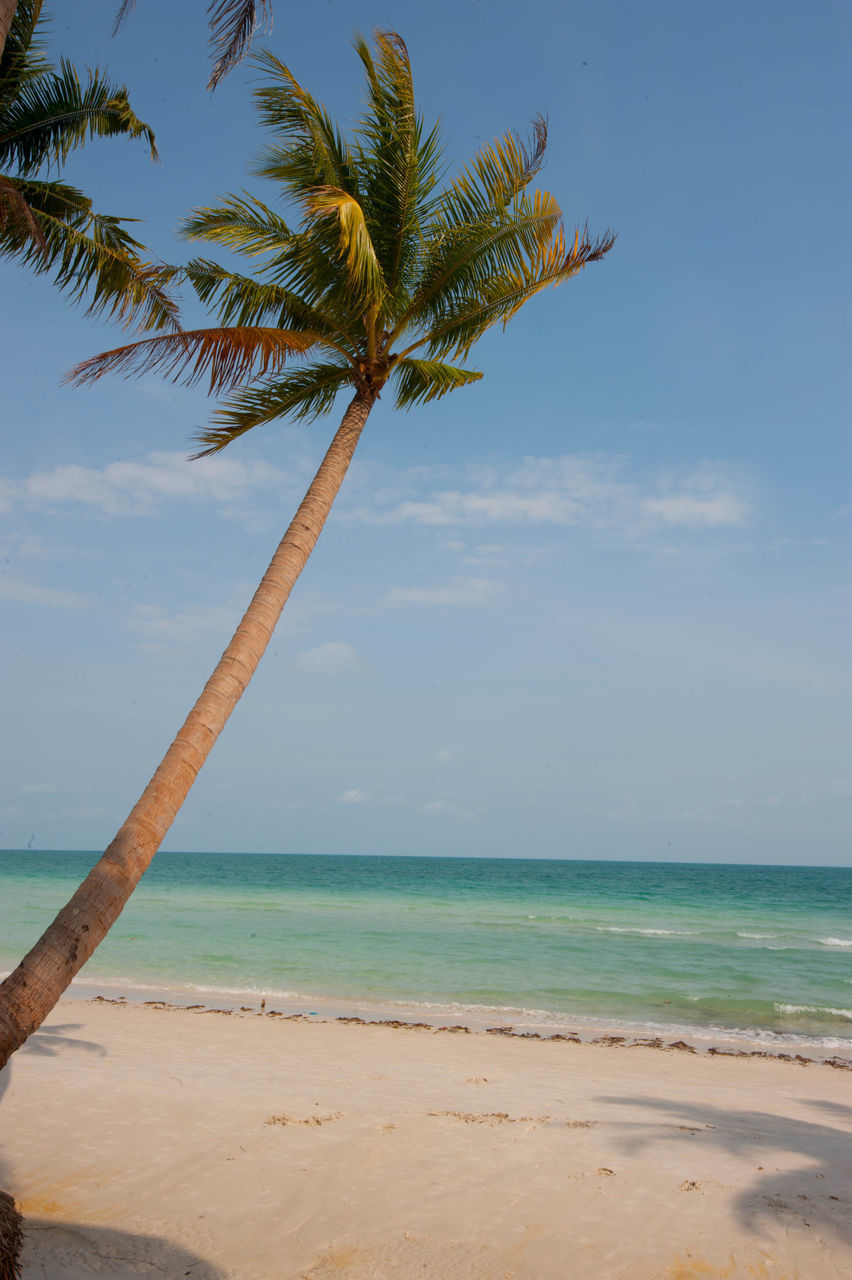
column 154, row 1142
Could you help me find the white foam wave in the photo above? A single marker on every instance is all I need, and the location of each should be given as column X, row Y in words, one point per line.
column 813, row 1008
column 649, row 933
column 835, row 942
column 743, row 933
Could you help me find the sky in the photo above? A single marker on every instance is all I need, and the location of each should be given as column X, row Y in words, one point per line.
column 596, row 605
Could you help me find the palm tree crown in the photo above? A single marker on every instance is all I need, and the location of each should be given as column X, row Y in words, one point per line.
column 387, row 278
column 44, row 222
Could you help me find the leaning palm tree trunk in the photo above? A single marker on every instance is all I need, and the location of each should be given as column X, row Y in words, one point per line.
column 7, row 13
column 28, row 995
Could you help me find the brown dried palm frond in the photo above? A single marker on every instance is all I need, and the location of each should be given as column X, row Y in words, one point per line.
column 232, row 26
column 229, row 356
column 11, row 1238
column 14, row 210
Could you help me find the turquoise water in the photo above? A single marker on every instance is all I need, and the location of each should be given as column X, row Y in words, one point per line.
column 755, row 950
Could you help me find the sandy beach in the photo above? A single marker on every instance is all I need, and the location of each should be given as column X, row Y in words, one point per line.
column 146, row 1141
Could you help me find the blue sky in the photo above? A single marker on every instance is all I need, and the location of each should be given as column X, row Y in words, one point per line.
column 594, row 606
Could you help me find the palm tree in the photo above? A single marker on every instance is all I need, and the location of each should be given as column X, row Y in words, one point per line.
column 44, row 222
column 387, row 278
column 232, row 26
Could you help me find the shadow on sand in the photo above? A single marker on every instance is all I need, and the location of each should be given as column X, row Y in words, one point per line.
column 814, row 1194
column 72, row 1250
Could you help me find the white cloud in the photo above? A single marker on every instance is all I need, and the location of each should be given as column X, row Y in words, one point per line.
column 330, row 658
column 159, row 626
column 446, row 755
column 589, row 490
column 695, row 511
column 31, row 593
column 357, row 795
column 137, row 488
column 461, row 591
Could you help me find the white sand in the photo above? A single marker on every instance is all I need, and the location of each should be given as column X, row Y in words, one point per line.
column 138, row 1142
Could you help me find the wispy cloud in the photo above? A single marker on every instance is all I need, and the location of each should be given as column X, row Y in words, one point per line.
column 696, row 511
column 140, row 487
column 356, row 795
column 461, row 591
column 161, row 628
column 591, row 490
column 32, row 593
column 330, row 658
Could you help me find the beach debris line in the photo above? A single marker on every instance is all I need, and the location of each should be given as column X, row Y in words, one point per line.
column 571, row 1037
column 307, row 1120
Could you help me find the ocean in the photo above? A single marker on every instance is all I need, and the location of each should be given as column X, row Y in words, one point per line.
column 761, row 953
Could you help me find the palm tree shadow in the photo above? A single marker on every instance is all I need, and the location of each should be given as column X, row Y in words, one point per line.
column 71, row 1250
column 815, row 1193
column 57, row 1039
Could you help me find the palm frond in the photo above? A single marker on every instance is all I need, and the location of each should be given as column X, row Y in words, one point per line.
column 419, row 381
column 461, row 262
column 495, row 177
column 355, row 245
column 52, row 114
column 23, row 57
column 228, row 356
column 241, row 299
column 500, row 298
column 243, row 223
column 16, row 213
column 90, row 256
column 310, row 150
column 233, row 24
column 232, row 27
column 302, row 396
column 399, row 160
column 125, row 8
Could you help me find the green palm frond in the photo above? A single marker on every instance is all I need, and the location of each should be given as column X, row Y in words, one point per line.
column 89, row 256
column 355, row 246
column 242, row 223
column 310, row 150
column 52, row 114
column 465, row 260
column 302, row 396
column 500, row 172
column 23, row 57
column 243, row 300
column 227, row 356
column 502, row 297
column 399, row 159
column 49, row 225
column 419, row 381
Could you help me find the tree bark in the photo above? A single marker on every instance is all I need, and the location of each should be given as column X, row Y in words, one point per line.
column 28, row 995
column 7, row 13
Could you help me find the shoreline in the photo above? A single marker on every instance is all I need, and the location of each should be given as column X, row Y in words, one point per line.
column 522, row 1023
column 145, row 1139
column 581, row 1034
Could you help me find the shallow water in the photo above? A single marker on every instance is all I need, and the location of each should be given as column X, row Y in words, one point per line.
column 759, row 951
